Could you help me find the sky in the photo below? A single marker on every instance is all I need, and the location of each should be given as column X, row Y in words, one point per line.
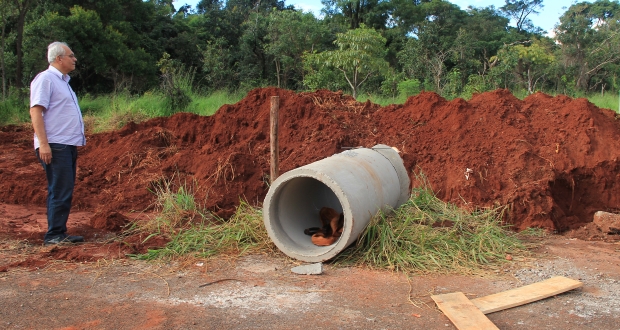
column 547, row 18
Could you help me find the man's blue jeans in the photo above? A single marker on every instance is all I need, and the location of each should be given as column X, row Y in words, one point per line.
column 60, row 175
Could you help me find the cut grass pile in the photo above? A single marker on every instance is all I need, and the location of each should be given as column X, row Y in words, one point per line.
column 428, row 235
column 424, row 235
column 195, row 233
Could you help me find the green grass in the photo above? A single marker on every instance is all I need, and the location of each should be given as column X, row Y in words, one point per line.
column 532, row 233
column 195, row 233
column 401, row 99
column 113, row 111
column 208, row 105
column 243, row 233
column 424, row 235
column 14, row 111
column 429, row 235
column 110, row 112
column 608, row 101
column 382, row 100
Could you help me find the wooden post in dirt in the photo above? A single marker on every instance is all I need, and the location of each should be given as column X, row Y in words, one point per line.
column 273, row 137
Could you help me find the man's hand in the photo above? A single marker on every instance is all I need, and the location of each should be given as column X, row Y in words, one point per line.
column 45, row 153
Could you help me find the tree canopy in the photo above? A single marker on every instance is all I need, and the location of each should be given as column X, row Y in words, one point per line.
column 369, row 46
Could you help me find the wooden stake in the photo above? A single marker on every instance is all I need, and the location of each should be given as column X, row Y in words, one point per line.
column 273, row 137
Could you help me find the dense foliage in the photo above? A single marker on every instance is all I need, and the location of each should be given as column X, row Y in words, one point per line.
column 392, row 46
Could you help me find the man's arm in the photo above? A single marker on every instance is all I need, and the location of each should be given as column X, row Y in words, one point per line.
column 36, row 115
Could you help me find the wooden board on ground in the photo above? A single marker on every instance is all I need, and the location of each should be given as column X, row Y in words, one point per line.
column 525, row 294
column 462, row 312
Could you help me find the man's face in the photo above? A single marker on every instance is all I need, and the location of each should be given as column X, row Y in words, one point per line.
column 67, row 61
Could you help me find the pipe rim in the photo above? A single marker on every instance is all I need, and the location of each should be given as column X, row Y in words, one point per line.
column 325, row 252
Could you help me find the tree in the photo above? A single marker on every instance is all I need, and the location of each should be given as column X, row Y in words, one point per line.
column 252, row 62
column 22, row 6
column 6, row 10
column 519, row 10
column 419, row 62
column 289, row 35
column 486, row 31
column 217, row 64
column 205, row 6
column 372, row 13
column 589, row 34
column 528, row 63
column 405, row 14
column 437, row 43
column 360, row 54
column 108, row 59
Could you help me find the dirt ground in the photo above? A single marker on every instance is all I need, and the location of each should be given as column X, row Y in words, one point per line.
column 553, row 160
column 64, row 291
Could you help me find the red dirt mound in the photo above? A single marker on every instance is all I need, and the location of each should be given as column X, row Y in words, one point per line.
column 109, row 220
column 552, row 159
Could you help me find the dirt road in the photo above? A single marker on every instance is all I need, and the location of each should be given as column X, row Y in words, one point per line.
column 258, row 292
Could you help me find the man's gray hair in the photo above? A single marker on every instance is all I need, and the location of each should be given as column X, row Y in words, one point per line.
column 54, row 49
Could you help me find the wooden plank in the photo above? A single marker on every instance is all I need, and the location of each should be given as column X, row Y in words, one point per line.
column 525, row 294
column 463, row 314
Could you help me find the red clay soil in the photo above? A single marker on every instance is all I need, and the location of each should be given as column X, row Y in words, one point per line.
column 553, row 160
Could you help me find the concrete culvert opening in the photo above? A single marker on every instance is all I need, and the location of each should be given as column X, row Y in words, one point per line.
column 357, row 183
column 300, row 199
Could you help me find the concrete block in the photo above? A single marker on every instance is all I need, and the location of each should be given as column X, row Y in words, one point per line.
column 309, row 269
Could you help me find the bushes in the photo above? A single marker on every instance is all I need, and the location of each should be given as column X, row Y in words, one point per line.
column 176, row 83
column 15, row 109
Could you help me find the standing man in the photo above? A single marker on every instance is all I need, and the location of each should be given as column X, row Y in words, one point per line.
column 58, row 131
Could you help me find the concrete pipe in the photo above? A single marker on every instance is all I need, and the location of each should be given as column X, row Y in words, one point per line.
column 357, row 183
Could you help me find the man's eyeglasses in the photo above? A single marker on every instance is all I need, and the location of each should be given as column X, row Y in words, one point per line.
column 70, row 55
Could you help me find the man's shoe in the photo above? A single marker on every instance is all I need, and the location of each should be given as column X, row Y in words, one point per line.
column 66, row 239
column 75, row 239
column 53, row 241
